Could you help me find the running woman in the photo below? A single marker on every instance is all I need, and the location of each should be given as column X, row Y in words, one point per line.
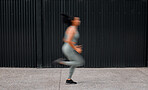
column 70, row 49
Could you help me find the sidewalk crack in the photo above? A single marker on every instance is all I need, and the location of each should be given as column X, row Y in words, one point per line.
column 143, row 72
column 60, row 79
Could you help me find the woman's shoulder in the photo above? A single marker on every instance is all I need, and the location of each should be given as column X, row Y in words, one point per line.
column 70, row 30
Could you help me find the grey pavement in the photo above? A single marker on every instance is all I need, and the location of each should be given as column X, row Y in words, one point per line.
column 87, row 79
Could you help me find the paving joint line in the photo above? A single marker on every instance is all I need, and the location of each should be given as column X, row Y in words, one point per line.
column 60, row 78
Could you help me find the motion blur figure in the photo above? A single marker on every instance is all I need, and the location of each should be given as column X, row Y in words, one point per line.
column 70, row 49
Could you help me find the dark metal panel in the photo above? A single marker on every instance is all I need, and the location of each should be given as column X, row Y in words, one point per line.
column 17, row 33
column 39, row 32
column 51, row 37
column 112, row 32
column 124, row 26
column 146, row 34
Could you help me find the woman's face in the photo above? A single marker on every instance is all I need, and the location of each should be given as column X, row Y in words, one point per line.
column 76, row 21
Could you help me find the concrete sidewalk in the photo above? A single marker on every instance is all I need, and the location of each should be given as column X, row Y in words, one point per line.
column 87, row 79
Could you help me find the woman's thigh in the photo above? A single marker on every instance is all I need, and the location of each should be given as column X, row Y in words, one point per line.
column 76, row 57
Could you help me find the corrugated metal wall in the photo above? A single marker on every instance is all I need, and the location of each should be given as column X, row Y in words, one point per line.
column 112, row 32
column 17, row 33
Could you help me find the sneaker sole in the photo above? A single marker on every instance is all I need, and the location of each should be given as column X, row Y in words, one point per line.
column 69, row 83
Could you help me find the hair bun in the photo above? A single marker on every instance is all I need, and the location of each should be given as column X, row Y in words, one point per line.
column 66, row 19
column 64, row 15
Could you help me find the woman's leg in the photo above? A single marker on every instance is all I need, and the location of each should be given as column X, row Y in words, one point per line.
column 71, row 71
column 75, row 59
column 70, row 63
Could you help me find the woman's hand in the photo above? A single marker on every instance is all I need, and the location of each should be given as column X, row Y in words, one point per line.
column 78, row 48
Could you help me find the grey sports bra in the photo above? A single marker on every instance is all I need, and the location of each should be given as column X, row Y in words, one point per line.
column 75, row 38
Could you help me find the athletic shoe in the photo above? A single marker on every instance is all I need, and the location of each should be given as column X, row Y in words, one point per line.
column 57, row 61
column 70, row 82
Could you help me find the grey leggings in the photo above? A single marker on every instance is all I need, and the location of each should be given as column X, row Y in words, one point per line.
column 75, row 58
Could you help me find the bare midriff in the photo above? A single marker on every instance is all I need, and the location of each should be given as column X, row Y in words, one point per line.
column 67, row 41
